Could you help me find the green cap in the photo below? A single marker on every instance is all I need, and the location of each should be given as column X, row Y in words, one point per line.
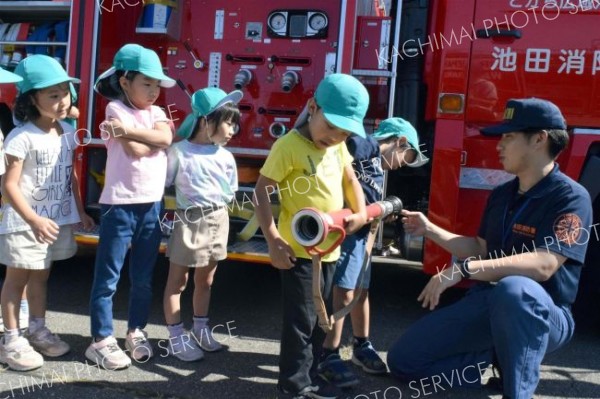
column 39, row 72
column 398, row 127
column 9, row 77
column 344, row 101
column 205, row 102
column 133, row 57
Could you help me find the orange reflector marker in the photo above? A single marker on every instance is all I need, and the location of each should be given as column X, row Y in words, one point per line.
column 451, row 103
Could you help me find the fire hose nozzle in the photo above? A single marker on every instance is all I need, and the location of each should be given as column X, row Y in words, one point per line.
column 242, row 79
column 310, row 227
column 289, row 80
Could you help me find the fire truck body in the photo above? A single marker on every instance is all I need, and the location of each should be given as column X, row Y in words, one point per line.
column 447, row 66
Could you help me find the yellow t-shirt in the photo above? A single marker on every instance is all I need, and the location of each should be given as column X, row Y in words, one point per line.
column 306, row 177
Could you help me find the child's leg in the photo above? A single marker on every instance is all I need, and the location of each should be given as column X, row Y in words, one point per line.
column 144, row 251
column 12, row 291
column 301, row 338
column 360, row 316
column 176, row 283
column 203, row 280
column 37, row 292
column 341, row 298
column 116, row 231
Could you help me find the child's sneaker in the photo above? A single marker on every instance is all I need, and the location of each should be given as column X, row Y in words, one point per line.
column 205, row 339
column 46, row 343
column 184, row 347
column 19, row 355
column 323, row 389
column 319, row 389
column 334, row 370
column 366, row 357
column 107, row 354
column 138, row 346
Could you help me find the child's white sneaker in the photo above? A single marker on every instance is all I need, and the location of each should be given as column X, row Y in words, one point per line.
column 185, row 348
column 205, row 339
column 46, row 343
column 19, row 355
column 107, row 354
column 138, row 345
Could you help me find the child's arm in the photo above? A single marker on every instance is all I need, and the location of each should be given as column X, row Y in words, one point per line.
column 137, row 149
column 355, row 199
column 280, row 252
column 160, row 137
column 45, row 230
column 87, row 222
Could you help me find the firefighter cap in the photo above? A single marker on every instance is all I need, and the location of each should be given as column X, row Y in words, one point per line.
column 344, row 101
column 205, row 102
column 9, row 77
column 41, row 71
column 528, row 114
column 398, row 127
column 135, row 58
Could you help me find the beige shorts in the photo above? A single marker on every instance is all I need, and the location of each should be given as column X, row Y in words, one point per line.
column 198, row 236
column 22, row 251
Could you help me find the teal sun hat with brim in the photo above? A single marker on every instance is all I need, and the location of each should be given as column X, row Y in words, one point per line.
column 41, row 71
column 344, row 101
column 398, row 127
column 9, row 77
column 131, row 57
column 205, row 102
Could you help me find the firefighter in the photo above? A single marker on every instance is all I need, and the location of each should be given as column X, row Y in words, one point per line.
column 526, row 260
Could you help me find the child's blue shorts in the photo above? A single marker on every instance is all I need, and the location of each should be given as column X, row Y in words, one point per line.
column 347, row 269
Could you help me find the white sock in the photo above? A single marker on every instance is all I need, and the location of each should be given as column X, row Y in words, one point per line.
column 175, row 330
column 11, row 335
column 36, row 323
column 200, row 323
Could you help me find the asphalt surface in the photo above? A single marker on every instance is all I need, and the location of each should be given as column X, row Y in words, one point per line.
column 246, row 314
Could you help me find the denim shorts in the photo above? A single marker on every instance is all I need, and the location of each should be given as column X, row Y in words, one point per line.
column 349, row 265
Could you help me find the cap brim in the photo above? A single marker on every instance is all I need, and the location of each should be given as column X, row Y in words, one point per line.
column 233, row 97
column 302, row 118
column 187, row 127
column 9, row 77
column 501, row 129
column 55, row 81
column 344, row 123
column 165, row 81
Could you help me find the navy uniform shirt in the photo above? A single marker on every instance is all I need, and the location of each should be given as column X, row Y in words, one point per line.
column 367, row 168
column 554, row 215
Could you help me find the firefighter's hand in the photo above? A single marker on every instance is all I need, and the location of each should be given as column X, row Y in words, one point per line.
column 87, row 222
column 281, row 254
column 415, row 223
column 353, row 222
column 430, row 296
column 44, row 230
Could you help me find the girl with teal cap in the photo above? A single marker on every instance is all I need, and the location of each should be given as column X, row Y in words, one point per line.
column 136, row 133
column 205, row 179
column 41, row 205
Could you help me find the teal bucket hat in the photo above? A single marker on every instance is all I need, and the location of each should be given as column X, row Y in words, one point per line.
column 9, row 77
column 344, row 101
column 205, row 102
column 41, row 71
column 398, row 127
column 132, row 57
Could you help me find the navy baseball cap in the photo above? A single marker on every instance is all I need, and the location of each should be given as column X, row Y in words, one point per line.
column 528, row 114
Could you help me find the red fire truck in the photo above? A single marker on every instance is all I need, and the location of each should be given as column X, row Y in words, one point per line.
column 447, row 66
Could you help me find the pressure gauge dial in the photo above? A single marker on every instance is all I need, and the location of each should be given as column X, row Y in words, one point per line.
column 317, row 21
column 277, row 21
